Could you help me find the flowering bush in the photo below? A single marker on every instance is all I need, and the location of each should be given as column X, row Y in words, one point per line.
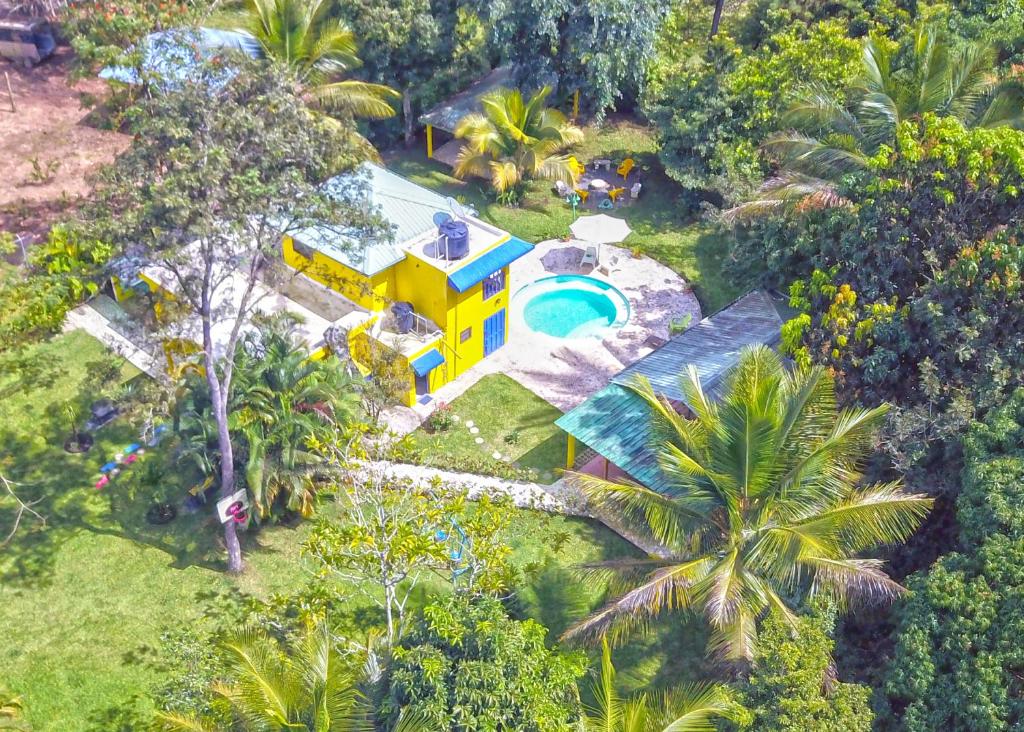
column 441, row 419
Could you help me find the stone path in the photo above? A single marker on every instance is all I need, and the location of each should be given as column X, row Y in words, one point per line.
column 559, row 497
column 86, row 318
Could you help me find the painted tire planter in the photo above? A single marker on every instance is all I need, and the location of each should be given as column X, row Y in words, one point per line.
column 79, row 444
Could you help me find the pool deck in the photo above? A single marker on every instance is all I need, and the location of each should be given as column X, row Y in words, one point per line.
column 564, row 372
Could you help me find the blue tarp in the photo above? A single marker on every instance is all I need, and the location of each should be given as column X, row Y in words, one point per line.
column 173, row 57
column 478, row 270
column 427, row 362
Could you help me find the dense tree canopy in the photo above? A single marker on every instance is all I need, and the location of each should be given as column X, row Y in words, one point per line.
column 958, row 660
column 915, row 293
column 714, row 103
column 792, row 687
column 467, row 666
column 599, row 49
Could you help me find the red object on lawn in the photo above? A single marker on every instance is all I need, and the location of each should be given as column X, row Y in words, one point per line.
column 102, row 482
column 131, row 459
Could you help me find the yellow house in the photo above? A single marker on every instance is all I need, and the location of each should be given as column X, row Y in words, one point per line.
column 437, row 293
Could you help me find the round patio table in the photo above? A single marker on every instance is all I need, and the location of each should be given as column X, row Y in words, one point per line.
column 598, row 185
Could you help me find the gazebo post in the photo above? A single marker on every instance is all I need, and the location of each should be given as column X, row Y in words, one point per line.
column 576, row 104
column 430, row 141
column 570, row 453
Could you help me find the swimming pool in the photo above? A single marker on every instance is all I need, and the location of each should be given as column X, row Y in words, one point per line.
column 571, row 306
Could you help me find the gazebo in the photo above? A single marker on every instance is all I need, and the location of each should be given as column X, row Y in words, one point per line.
column 446, row 115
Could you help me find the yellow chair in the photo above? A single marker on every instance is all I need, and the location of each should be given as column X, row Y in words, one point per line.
column 626, row 167
column 614, row 193
column 582, row 194
column 576, row 166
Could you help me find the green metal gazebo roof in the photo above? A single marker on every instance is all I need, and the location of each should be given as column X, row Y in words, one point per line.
column 616, row 422
column 446, row 115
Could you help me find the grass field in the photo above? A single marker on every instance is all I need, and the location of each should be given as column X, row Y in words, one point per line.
column 512, row 420
column 84, row 600
column 663, row 227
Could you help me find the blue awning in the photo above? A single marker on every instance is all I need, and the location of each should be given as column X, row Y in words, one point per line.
column 478, row 270
column 427, row 362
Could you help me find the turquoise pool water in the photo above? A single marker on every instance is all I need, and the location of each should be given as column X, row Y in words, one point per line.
column 572, row 306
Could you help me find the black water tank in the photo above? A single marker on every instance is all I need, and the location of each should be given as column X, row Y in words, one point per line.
column 403, row 316
column 457, row 235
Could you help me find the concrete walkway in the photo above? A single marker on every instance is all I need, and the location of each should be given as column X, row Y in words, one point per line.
column 86, row 318
column 559, row 497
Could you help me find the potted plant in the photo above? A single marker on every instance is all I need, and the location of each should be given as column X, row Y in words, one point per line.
column 152, row 474
column 78, row 440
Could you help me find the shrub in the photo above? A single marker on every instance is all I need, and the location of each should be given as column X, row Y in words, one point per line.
column 465, row 665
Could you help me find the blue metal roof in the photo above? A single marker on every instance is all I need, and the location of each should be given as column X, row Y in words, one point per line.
column 173, row 57
column 477, row 270
column 618, row 424
column 713, row 346
column 427, row 362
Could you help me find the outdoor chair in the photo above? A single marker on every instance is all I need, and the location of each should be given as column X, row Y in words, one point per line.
column 634, row 192
column 562, row 189
column 583, row 194
column 576, row 166
column 589, row 257
column 614, row 193
column 606, row 204
column 611, row 266
column 626, row 167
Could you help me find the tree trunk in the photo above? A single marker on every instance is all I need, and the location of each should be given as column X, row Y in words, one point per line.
column 718, row 17
column 407, row 114
column 227, row 464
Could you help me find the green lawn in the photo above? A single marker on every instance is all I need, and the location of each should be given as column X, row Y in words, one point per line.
column 662, row 226
column 512, row 420
column 83, row 601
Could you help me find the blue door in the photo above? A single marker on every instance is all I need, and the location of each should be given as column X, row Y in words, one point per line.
column 494, row 332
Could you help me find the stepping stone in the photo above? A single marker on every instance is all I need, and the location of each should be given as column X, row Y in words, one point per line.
column 496, row 455
column 506, row 458
column 469, row 423
column 479, row 440
column 547, row 475
column 456, row 418
column 474, row 430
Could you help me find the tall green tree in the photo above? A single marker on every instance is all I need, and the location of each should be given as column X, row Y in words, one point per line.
column 281, row 401
column 793, row 686
column 600, row 49
column 465, row 665
column 691, row 708
column 425, row 49
column 833, row 138
column 307, row 37
column 514, row 140
column 217, row 172
column 763, row 507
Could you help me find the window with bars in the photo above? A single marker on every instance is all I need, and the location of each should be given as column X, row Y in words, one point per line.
column 494, row 284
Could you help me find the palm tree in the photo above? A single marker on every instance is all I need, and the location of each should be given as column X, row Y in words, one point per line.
column 831, row 139
column 686, row 709
column 281, row 399
column 312, row 686
column 514, row 140
column 303, row 35
column 763, row 508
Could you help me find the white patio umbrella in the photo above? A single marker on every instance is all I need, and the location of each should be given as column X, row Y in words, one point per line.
column 600, row 229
